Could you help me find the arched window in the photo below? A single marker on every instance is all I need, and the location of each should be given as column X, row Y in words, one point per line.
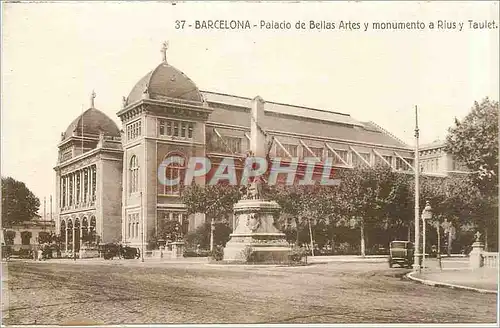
column 172, row 172
column 134, row 174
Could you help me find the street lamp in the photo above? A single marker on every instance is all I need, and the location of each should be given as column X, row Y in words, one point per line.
column 416, row 258
column 426, row 215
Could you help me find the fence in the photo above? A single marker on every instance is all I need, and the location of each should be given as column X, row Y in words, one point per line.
column 490, row 259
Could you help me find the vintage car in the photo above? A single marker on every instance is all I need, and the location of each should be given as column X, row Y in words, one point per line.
column 401, row 253
column 109, row 251
column 130, row 253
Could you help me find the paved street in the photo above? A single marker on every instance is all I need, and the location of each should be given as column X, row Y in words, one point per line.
column 112, row 292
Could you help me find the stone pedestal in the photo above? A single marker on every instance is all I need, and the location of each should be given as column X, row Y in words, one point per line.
column 475, row 256
column 177, row 250
column 255, row 239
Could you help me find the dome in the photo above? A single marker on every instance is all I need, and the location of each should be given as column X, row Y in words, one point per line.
column 165, row 81
column 94, row 122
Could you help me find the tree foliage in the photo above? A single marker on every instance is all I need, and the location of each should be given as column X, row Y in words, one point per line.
column 18, row 202
column 474, row 142
column 216, row 201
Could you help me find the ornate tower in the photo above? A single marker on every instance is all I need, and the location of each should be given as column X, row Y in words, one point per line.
column 163, row 115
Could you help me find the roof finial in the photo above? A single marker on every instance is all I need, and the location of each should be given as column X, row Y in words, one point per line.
column 92, row 97
column 164, row 49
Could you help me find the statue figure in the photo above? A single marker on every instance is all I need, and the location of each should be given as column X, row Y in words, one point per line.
column 477, row 235
column 124, row 101
column 253, row 221
column 92, row 99
column 145, row 93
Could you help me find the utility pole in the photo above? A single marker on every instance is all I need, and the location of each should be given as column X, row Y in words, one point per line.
column 416, row 259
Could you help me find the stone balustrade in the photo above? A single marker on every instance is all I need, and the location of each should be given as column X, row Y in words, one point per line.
column 478, row 258
column 490, row 259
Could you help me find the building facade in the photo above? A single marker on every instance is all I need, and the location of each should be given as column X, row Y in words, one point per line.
column 107, row 178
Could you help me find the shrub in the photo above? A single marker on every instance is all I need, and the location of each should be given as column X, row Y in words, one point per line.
column 248, row 254
column 296, row 254
column 218, row 253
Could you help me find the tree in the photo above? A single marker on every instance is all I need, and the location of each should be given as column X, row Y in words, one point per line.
column 18, row 202
column 216, row 202
column 364, row 197
column 474, row 142
column 201, row 235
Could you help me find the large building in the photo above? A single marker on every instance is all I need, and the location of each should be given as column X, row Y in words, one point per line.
column 107, row 177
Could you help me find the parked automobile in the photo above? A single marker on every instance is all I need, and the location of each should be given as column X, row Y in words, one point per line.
column 109, row 251
column 130, row 252
column 401, row 253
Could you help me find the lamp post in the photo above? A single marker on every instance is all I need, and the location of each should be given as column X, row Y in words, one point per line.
column 416, row 258
column 426, row 215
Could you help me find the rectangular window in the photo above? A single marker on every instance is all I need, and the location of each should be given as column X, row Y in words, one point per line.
column 169, row 128
column 234, row 144
column 178, row 129
column 402, row 166
column 291, row 149
column 162, row 128
column 317, row 151
column 133, row 130
column 388, row 158
column 357, row 161
column 183, row 130
column 342, row 153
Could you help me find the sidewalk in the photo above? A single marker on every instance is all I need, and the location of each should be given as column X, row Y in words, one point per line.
column 347, row 258
column 482, row 280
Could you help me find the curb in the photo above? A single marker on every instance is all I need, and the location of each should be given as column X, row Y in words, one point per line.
column 452, row 286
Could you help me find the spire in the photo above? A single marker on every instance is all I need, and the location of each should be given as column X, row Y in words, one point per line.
column 92, row 97
column 164, row 49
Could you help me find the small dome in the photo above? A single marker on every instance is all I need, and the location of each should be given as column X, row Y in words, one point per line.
column 94, row 122
column 165, row 81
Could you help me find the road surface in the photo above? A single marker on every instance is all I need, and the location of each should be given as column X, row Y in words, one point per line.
column 121, row 292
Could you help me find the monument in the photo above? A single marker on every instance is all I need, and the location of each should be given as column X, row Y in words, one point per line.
column 255, row 238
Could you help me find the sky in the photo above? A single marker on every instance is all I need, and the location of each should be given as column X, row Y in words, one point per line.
column 55, row 54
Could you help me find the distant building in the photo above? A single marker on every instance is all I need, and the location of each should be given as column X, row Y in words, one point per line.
column 107, row 179
column 434, row 160
column 26, row 235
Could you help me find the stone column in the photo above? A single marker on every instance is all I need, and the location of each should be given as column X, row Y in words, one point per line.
column 80, row 191
column 475, row 256
column 81, row 234
column 73, row 239
column 66, row 239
